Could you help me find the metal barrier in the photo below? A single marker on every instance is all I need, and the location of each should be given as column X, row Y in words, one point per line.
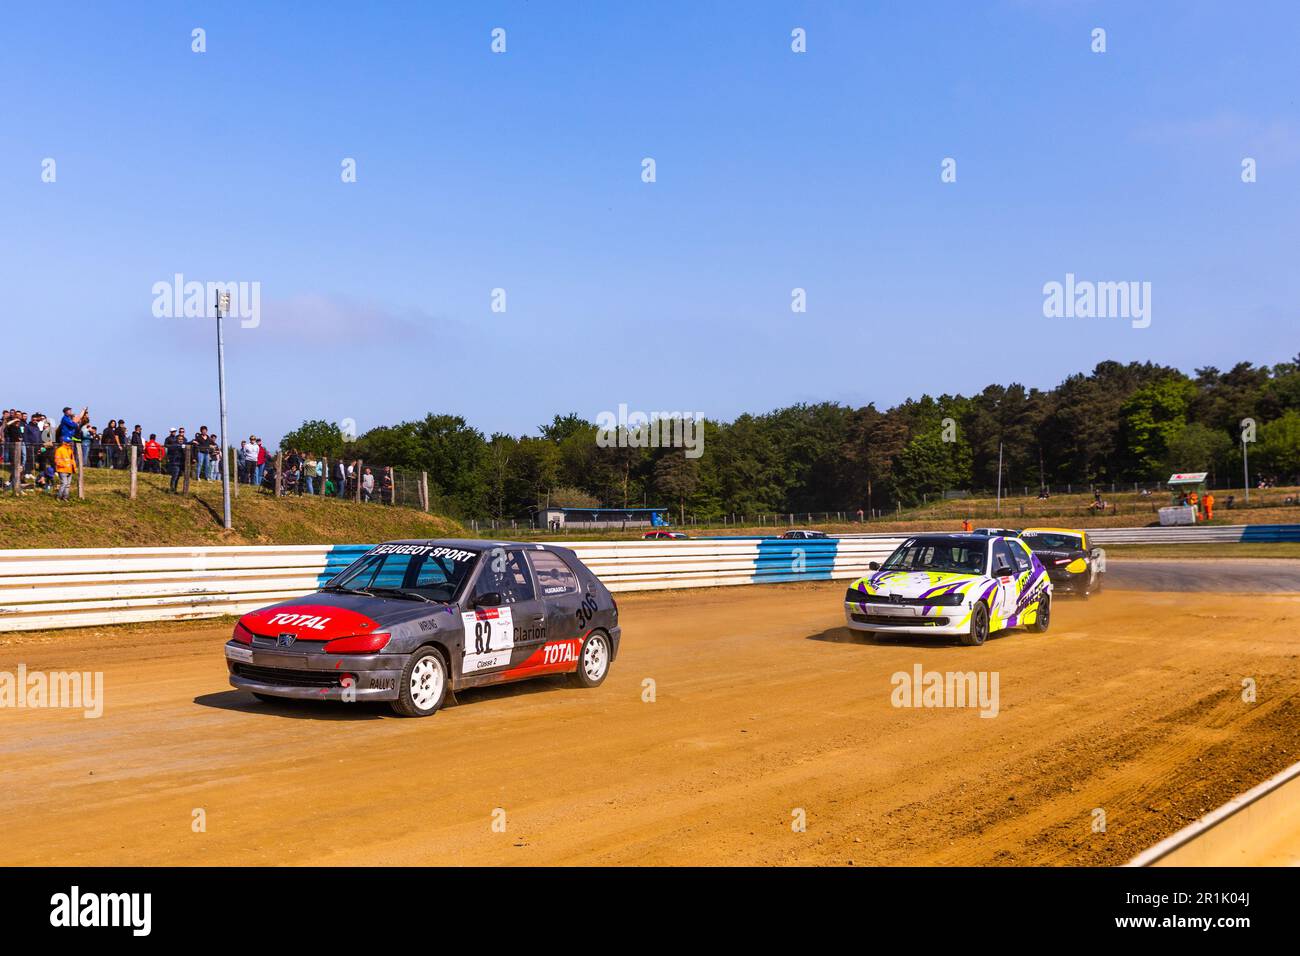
column 1183, row 534
column 66, row 588
column 63, row 588
column 1261, row 827
column 1193, row 534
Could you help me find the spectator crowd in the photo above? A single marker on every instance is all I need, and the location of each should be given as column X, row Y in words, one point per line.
column 46, row 455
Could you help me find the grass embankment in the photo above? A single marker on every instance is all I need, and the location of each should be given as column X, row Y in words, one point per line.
column 108, row 518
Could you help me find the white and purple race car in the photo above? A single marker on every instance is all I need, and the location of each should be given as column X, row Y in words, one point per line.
column 962, row 585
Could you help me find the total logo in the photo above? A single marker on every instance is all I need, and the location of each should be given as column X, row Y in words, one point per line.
column 564, row 653
column 301, row 620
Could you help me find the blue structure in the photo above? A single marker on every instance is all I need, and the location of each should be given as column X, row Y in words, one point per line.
column 557, row 519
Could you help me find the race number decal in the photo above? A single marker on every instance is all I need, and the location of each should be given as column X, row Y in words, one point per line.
column 489, row 639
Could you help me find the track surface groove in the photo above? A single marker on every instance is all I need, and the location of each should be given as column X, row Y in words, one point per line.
column 1131, row 705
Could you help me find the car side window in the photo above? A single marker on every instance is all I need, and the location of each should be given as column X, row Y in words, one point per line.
column 1002, row 556
column 1021, row 555
column 505, row 573
column 554, row 576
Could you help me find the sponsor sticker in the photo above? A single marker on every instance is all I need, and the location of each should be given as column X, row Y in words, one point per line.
column 489, row 638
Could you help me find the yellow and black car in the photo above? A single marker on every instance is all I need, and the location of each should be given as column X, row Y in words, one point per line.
column 1071, row 562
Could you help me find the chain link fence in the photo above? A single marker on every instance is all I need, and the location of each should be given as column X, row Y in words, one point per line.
column 98, row 466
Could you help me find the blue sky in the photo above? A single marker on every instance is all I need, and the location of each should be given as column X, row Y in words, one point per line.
column 522, row 171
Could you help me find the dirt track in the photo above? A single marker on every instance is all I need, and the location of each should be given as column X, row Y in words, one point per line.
column 1131, row 703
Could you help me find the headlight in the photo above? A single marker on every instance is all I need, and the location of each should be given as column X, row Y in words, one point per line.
column 1077, row 566
column 953, row 599
column 361, row 644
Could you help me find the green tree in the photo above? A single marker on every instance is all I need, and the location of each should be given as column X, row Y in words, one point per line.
column 315, row 436
column 1149, row 421
column 1278, row 454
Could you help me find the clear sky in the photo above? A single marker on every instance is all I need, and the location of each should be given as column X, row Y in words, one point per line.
column 523, row 171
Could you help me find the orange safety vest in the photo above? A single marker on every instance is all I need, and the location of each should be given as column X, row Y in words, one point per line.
column 64, row 461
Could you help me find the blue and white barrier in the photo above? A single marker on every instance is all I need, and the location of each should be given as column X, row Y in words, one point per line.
column 77, row 588
column 80, row 588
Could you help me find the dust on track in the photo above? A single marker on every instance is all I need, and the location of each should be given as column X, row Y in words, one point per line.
column 764, row 705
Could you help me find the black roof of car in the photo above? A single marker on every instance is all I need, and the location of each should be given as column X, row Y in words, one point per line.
column 480, row 544
column 950, row 538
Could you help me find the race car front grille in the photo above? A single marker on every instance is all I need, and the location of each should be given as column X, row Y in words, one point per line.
column 885, row 620
column 280, row 675
column 931, row 601
column 272, row 641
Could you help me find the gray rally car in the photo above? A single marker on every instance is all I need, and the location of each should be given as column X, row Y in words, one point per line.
column 410, row 620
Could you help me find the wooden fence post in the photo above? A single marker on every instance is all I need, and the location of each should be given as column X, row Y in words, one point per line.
column 392, row 487
column 132, row 456
column 324, row 473
column 356, row 483
column 232, row 464
column 424, row 491
column 279, row 474
column 15, row 469
column 185, row 483
column 81, row 471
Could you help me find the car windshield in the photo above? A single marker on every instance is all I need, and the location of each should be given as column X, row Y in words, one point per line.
column 1052, row 541
column 418, row 571
column 938, row 554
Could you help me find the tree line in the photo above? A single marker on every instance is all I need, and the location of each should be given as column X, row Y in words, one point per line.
column 1119, row 423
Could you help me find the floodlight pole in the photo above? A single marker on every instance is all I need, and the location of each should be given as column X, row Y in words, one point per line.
column 1245, row 464
column 999, row 478
column 223, row 298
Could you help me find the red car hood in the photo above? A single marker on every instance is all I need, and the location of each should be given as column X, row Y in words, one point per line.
column 308, row 621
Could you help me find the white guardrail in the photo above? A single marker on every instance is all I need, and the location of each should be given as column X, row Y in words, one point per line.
column 78, row 588
column 64, row 588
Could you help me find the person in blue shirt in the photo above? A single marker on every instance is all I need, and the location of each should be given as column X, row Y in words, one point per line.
column 69, row 425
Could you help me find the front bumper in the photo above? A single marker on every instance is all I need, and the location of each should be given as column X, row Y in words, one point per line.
column 906, row 619
column 1070, row 581
column 314, row 676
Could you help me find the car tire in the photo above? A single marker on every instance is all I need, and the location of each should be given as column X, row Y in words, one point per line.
column 422, row 687
column 593, row 660
column 1043, row 619
column 979, row 626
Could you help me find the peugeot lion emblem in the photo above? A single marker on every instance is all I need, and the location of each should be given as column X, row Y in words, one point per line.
column 285, row 640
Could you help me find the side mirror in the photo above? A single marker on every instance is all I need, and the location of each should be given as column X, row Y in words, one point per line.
column 873, row 565
column 1003, row 572
column 489, row 599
